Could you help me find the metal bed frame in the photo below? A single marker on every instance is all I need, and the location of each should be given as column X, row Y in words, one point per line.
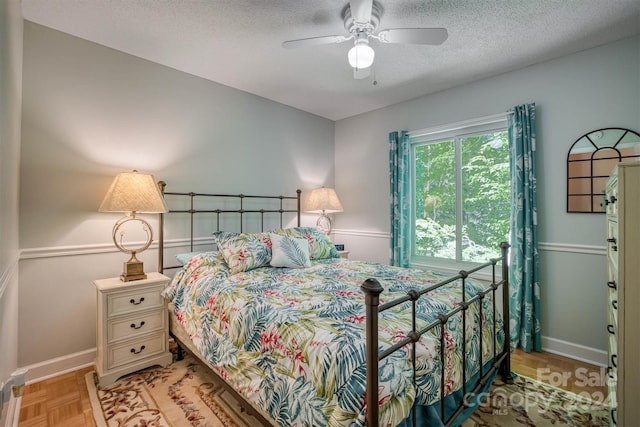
column 241, row 211
column 501, row 359
column 372, row 290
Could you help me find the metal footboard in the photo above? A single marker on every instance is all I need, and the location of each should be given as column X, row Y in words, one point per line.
column 501, row 359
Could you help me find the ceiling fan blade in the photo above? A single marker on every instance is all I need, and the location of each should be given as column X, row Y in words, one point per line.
column 314, row 41
column 361, row 10
column 433, row 36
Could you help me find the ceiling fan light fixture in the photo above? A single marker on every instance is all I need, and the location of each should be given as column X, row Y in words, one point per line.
column 361, row 55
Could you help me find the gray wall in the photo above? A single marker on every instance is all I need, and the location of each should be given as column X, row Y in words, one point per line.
column 10, row 110
column 574, row 94
column 90, row 112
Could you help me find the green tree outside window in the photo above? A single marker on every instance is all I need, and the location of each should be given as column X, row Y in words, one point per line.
column 462, row 201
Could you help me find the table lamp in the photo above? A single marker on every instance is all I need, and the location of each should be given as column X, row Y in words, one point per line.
column 323, row 200
column 133, row 193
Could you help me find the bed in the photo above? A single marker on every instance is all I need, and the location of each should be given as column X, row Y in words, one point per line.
column 321, row 340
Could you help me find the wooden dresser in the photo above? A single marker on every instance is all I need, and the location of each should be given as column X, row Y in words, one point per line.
column 623, row 264
column 132, row 326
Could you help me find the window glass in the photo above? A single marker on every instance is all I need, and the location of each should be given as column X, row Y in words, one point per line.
column 435, row 189
column 461, row 193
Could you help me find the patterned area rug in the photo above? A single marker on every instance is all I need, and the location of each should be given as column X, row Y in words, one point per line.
column 182, row 394
column 528, row 402
column 185, row 394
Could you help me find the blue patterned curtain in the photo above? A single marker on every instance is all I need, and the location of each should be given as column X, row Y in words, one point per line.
column 399, row 159
column 523, row 271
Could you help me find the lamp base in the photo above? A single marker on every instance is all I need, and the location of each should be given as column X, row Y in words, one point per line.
column 132, row 270
column 324, row 223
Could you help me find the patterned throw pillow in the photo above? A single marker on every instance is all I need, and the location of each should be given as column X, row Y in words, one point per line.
column 289, row 252
column 244, row 251
column 320, row 246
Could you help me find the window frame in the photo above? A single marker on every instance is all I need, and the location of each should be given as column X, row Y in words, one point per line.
column 450, row 132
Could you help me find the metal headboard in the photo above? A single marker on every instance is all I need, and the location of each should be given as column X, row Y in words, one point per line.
column 241, row 211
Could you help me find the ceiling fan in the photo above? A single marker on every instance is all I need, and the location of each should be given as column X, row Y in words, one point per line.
column 361, row 19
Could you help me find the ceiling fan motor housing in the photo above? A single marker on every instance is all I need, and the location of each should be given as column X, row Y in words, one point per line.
column 367, row 28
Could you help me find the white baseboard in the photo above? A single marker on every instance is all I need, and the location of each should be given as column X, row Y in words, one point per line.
column 11, row 391
column 60, row 365
column 11, row 413
column 575, row 351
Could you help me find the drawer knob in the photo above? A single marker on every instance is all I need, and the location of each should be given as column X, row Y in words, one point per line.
column 611, row 330
column 134, row 351
column 614, row 360
column 612, row 285
column 614, row 304
column 132, row 301
column 133, row 325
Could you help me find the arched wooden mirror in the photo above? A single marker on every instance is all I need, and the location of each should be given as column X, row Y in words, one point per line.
column 591, row 160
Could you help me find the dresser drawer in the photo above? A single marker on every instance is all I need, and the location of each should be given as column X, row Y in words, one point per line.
column 131, row 326
column 612, row 196
column 613, row 309
column 612, row 399
column 137, row 349
column 134, row 301
column 612, row 247
column 613, row 340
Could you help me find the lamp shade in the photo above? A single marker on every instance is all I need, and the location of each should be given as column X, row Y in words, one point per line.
column 133, row 192
column 323, row 200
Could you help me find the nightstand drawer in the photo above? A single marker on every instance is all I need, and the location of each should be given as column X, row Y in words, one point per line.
column 137, row 349
column 134, row 301
column 132, row 326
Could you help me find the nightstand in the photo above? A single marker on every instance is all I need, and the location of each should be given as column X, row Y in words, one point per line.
column 132, row 326
column 344, row 254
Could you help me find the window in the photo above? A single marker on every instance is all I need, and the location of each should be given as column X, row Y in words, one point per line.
column 460, row 192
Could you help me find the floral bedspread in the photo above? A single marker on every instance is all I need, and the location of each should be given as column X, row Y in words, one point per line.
column 292, row 340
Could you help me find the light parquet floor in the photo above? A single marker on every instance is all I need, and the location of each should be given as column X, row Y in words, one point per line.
column 58, row 401
column 64, row 400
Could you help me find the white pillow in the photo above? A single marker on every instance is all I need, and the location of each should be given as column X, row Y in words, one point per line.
column 289, row 251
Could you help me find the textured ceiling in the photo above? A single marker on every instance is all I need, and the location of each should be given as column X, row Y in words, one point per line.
column 238, row 42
